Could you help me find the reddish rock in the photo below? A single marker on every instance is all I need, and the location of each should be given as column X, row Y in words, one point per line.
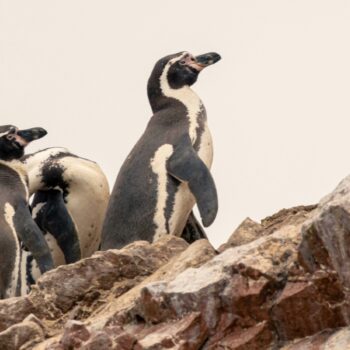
column 330, row 339
column 291, row 216
column 281, row 284
column 75, row 333
column 189, row 333
column 257, row 337
column 23, row 335
column 14, row 310
column 326, row 237
column 246, row 232
column 99, row 341
column 303, row 308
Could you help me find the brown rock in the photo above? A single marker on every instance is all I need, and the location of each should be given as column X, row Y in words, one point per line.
column 14, row 310
column 331, row 339
column 75, row 333
column 23, row 335
column 250, row 230
column 326, row 237
column 239, row 282
column 106, row 328
column 70, row 283
column 246, row 232
column 78, row 285
column 291, row 216
column 189, row 333
column 257, row 337
column 283, row 284
column 99, row 341
column 195, row 255
column 300, row 304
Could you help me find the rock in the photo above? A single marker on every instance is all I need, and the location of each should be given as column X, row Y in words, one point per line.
column 254, row 338
column 68, row 284
column 291, row 216
column 194, row 256
column 188, row 333
column 23, row 335
column 238, row 282
column 250, row 230
column 335, row 339
column 108, row 323
column 82, row 287
column 307, row 307
column 280, row 284
column 74, row 335
column 326, row 237
column 14, row 310
column 246, row 232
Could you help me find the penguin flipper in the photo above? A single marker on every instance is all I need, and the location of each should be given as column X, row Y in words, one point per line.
column 186, row 166
column 32, row 238
column 53, row 217
column 193, row 230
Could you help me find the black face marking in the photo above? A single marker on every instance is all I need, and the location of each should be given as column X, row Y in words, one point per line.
column 180, row 75
column 10, row 149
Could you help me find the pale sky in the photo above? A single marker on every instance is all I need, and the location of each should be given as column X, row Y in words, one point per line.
column 278, row 102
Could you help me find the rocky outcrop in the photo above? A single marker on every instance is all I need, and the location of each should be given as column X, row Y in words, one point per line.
column 279, row 284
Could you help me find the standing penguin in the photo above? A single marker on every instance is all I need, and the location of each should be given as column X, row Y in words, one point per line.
column 70, row 201
column 16, row 224
column 167, row 171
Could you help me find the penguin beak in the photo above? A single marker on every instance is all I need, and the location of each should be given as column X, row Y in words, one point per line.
column 24, row 137
column 202, row 61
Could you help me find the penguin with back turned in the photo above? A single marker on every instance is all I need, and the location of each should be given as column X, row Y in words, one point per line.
column 167, row 172
column 16, row 224
column 70, row 197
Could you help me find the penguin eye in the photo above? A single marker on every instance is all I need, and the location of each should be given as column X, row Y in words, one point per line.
column 182, row 62
column 10, row 137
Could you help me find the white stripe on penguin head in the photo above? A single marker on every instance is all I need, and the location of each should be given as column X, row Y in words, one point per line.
column 185, row 95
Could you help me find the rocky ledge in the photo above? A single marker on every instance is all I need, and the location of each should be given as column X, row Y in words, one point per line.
column 280, row 284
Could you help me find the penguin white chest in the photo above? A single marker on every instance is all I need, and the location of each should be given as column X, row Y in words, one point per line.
column 158, row 165
column 205, row 151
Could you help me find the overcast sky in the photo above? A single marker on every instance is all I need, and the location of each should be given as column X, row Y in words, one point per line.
column 278, row 102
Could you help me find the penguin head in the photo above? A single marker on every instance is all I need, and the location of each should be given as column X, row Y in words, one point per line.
column 177, row 71
column 13, row 141
column 184, row 69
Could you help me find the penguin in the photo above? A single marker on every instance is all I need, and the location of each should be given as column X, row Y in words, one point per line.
column 70, row 197
column 17, row 227
column 167, row 171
